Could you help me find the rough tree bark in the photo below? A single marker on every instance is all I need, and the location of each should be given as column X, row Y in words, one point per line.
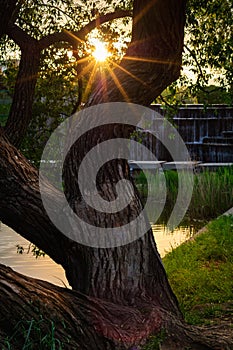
column 127, row 296
column 85, row 323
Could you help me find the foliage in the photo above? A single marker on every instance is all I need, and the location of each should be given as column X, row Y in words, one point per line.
column 207, row 58
column 200, row 271
column 51, row 107
column 214, row 95
column 209, row 28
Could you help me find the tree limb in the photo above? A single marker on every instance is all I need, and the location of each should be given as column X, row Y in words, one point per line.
column 7, row 10
column 20, row 36
column 22, row 209
column 75, row 37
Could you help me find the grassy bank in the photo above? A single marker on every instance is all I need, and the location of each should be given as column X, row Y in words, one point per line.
column 201, row 273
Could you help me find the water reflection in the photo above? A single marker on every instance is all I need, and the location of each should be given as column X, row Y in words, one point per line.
column 42, row 268
column 46, row 269
column 167, row 240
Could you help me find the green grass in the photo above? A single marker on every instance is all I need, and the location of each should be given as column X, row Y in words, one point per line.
column 201, row 272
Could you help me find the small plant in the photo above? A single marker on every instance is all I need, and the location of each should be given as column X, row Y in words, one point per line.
column 32, row 248
column 34, row 334
column 154, row 342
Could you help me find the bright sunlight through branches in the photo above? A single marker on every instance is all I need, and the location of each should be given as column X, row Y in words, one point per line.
column 100, row 52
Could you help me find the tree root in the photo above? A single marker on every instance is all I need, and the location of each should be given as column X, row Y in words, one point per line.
column 81, row 322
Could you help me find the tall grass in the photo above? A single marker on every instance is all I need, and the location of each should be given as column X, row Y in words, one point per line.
column 212, row 192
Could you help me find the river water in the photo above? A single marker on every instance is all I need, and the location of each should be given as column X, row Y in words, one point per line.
column 46, row 269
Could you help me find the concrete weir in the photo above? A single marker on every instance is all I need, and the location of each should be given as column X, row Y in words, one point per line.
column 206, row 130
column 156, row 166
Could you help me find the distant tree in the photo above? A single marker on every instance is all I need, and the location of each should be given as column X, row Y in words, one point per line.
column 213, row 94
column 207, row 57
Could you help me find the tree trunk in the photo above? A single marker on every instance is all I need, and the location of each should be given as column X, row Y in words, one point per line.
column 21, row 107
column 33, row 310
column 128, row 273
column 125, row 274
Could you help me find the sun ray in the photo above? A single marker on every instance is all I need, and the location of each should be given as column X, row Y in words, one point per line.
column 81, row 60
column 90, row 81
column 144, row 11
column 86, row 69
column 104, row 85
column 130, row 74
column 150, row 60
column 73, row 36
column 118, row 84
column 74, row 63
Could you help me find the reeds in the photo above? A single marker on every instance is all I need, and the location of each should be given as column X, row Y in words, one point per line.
column 212, row 192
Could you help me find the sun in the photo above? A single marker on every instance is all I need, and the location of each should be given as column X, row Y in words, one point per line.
column 100, row 52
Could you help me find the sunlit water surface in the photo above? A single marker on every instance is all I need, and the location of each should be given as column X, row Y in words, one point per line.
column 46, row 269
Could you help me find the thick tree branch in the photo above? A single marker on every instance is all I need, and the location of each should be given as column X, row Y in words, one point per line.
column 21, row 107
column 19, row 36
column 23, row 97
column 7, row 11
column 22, row 38
column 75, row 37
column 22, row 209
